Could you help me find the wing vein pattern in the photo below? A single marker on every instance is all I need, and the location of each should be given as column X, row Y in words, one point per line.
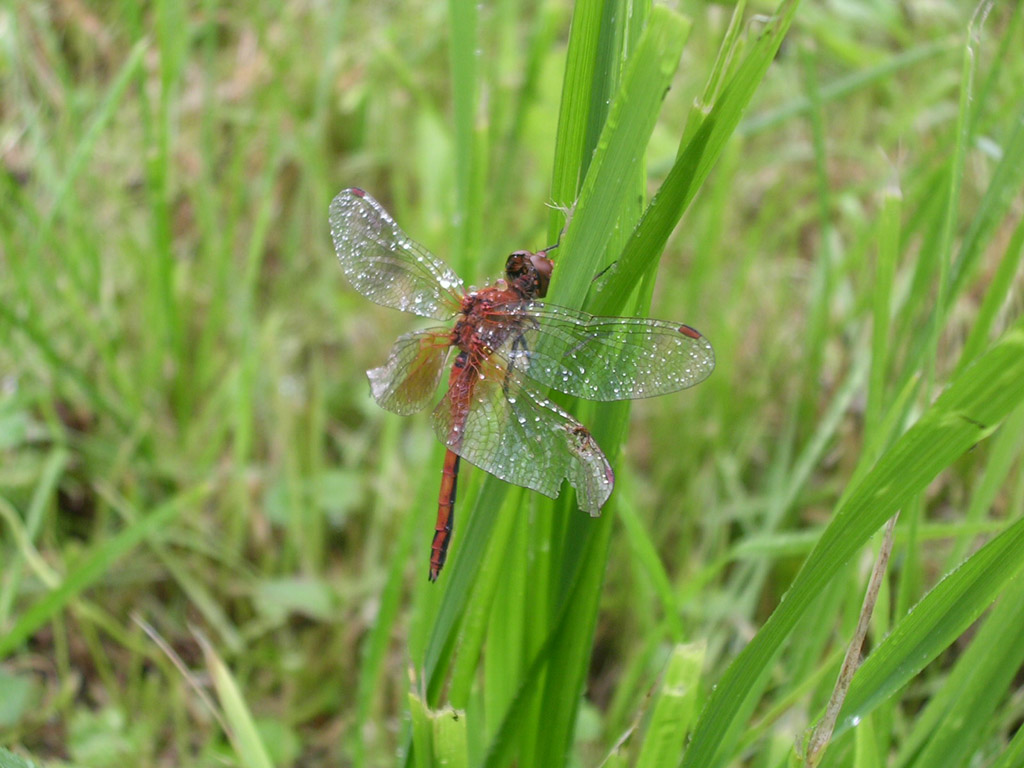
column 385, row 264
column 607, row 358
column 492, row 417
column 407, row 381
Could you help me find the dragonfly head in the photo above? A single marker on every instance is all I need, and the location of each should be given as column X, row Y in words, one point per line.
column 530, row 273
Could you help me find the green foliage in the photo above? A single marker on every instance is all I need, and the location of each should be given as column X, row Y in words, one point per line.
column 215, row 545
column 10, row 760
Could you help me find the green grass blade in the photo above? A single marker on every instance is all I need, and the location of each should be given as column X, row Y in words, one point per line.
column 568, row 658
column 476, row 627
column 49, row 477
column 959, row 717
column 943, row 253
column 995, row 297
column 885, row 270
column 465, row 91
column 1004, row 454
column 574, row 115
column 91, row 134
column 1014, row 754
column 462, row 573
column 422, row 732
column 692, row 167
column 242, row 730
column 1007, row 180
column 95, row 565
column 968, row 411
column 374, row 649
column 450, row 744
column 935, row 622
column 646, row 554
column 502, row 746
column 619, row 154
column 674, row 708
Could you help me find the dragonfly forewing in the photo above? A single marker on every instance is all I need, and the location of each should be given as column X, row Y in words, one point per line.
column 385, row 264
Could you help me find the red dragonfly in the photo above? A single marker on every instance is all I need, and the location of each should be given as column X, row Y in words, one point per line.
column 511, row 349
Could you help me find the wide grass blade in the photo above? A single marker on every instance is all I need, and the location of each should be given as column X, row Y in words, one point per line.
column 960, row 716
column 576, row 117
column 674, row 708
column 692, row 166
column 967, row 412
column 934, row 623
column 439, row 737
column 618, row 155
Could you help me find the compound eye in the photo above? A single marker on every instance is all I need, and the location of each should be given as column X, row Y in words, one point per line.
column 517, row 264
column 543, row 266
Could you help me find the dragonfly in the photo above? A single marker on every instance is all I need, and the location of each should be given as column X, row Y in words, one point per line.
column 510, row 348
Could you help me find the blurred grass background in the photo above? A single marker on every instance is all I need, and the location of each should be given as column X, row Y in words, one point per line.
column 214, row 544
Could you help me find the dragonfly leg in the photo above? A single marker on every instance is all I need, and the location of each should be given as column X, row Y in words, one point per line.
column 519, row 351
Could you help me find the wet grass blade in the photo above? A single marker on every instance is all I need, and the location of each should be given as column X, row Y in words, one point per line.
column 935, row 623
column 967, row 412
column 692, row 166
column 960, row 715
column 619, row 154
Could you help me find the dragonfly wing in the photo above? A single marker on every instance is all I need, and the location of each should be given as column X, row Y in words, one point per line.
column 407, row 381
column 385, row 264
column 493, row 418
column 609, row 358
